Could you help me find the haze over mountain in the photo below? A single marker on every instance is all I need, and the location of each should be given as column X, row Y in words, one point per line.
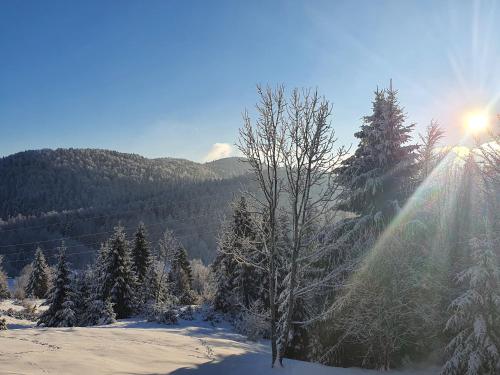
column 81, row 194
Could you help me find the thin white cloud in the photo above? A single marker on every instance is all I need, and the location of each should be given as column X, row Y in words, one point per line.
column 219, row 151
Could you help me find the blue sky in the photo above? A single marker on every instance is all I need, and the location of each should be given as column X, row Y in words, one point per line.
column 171, row 78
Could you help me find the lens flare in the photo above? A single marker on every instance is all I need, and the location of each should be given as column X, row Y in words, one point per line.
column 477, row 122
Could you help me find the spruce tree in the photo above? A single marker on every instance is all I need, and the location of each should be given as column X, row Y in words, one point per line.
column 181, row 277
column 4, row 288
column 99, row 309
column 100, row 312
column 155, row 288
column 118, row 278
column 239, row 284
column 377, row 177
column 383, row 310
column 81, row 295
column 299, row 342
column 224, row 269
column 248, row 281
column 60, row 312
column 141, row 253
column 100, row 284
column 462, row 222
column 475, row 319
column 39, row 279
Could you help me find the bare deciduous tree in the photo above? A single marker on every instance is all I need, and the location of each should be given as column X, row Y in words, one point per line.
column 261, row 144
column 290, row 149
column 309, row 161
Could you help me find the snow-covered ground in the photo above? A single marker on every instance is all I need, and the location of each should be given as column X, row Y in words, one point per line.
column 134, row 346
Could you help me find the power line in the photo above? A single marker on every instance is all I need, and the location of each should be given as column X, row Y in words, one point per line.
column 96, row 233
column 130, row 228
column 99, row 242
column 98, row 216
column 93, row 251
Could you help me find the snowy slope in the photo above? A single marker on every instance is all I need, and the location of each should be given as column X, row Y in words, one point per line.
column 134, row 346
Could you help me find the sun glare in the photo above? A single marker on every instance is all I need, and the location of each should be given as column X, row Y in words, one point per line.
column 477, row 122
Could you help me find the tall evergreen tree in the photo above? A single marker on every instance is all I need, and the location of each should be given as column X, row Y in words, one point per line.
column 155, row 288
column 100, row 285
column 239, row 283
column 384, row 310
column 376, row 178
column 248, row 282
column 475, row 319
column 61, row 308
column 81, row 295
column 462, row 222
column 99, row 309
column 224, row 269
column 118, row 278
column 39, row 279
column 181, row 277
column 141, row 253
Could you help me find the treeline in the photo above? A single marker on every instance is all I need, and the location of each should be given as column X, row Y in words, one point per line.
column 410, row 276
column 127, row 278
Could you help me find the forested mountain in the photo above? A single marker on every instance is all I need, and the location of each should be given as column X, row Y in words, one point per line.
column 81, row 194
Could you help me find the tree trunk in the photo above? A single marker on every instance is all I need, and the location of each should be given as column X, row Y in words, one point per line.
column 272, row 303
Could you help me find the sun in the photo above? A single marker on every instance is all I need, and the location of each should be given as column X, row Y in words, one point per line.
column 476, row 122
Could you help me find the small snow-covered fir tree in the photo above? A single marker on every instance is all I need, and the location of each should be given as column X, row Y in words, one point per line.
column 60, row 312
column 376, row 178
column 118, row 278
column 100, row 312
column 475, row 319
column 141, row 253
column 39, row 279
column 4, row 288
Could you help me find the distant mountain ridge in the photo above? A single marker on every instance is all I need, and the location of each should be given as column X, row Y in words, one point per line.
column 50, row 174
column 229, row 167
column 74, row 192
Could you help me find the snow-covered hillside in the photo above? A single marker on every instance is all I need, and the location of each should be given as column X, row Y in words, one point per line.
column 133, row 346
